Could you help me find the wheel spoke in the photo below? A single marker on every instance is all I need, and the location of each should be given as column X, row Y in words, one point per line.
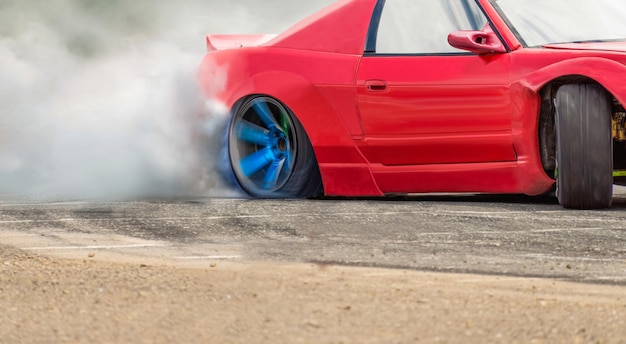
column 284, row 122
column 253, row 133
column 265, row 114
column 271, row 177
column 256, row 161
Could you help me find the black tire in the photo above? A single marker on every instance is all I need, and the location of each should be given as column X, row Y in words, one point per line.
column 584, row 147
column 288, row 169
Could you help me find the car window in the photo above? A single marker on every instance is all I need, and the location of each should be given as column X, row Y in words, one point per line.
column 422, row 26
column 540, row 22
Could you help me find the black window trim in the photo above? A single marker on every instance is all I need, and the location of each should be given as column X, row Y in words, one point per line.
column 460, row 53
column 508, row 23
column 372, row 34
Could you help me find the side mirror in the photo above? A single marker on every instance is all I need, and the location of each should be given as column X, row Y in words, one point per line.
column 479, row 42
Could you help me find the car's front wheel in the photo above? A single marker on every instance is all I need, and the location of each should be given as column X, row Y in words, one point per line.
column 269, row 151
column 584, row 147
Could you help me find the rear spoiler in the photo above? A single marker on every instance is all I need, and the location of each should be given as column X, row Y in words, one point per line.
column 223, row 42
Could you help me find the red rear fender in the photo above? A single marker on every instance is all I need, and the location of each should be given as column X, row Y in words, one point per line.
column 322, row 123
column 344, row 169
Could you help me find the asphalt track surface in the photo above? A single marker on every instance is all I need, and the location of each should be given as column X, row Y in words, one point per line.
column 475, row 234
column 498, row 235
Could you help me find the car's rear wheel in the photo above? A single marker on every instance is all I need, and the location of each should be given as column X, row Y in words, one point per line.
column 584, row 147
column 269, row 151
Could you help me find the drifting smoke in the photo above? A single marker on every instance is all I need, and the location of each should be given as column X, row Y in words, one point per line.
column 98, row 98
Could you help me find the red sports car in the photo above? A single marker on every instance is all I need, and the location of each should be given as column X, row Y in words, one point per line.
column 379, row 97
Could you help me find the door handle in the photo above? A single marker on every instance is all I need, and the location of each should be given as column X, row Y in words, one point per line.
column 376, row 85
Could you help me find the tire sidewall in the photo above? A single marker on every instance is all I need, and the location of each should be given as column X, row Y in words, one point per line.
column 584, row 147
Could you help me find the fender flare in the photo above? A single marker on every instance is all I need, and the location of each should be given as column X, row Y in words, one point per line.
column 608, row 73
column 344, row 170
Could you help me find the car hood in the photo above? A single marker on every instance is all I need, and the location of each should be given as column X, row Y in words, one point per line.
column 601, row 46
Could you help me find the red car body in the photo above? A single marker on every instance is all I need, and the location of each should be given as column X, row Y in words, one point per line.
column 410, row 124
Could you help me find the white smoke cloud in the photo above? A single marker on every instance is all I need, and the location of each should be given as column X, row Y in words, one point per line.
column 98, row 98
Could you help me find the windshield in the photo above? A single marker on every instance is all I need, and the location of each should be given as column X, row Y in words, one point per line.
column 541, row 22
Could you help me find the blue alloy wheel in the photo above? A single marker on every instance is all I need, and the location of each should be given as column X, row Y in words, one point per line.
column 269, row 152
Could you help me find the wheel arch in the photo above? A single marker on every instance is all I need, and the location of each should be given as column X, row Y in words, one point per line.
column 335, row 150
column 536, row 111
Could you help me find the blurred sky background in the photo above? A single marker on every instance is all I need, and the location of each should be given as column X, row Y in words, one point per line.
column 98, row 98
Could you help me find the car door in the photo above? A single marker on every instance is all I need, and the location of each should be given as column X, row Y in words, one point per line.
column 421, row 101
